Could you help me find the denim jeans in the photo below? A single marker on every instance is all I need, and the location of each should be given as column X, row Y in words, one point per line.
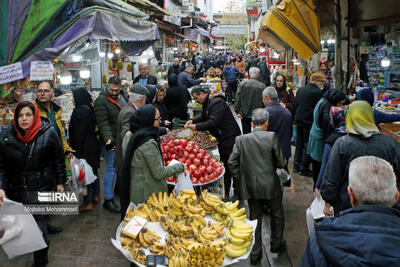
column 325, row 157
column 301, row 159
column 109, row 175
column 92, row 190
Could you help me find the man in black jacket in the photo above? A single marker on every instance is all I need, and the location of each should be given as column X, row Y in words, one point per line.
column 217, row 118
column 176, row 99
column 175, row 68
column 144, row 77
column 303, row 106
column 265, row 76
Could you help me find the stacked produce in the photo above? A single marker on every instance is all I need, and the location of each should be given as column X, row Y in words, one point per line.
column 191, row 241
column 202, row 139
column 201, row 167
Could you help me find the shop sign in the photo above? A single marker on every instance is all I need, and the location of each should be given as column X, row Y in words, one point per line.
column 170, row 6
column 253, row 3
column 41, row 70
column 193, row 34
column 11, row 73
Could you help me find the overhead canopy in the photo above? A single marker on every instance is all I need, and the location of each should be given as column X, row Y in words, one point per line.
column 41, row 30
column 273, row 40
column 154, row 8
column 296, row 23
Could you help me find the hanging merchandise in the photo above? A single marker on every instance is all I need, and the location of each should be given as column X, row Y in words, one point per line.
column 110, row 64
column 104, row 78
column 120, row 65
column 129, row 67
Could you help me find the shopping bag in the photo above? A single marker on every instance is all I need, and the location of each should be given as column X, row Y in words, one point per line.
column 89, row 175
column 184, row 182
column 315, row 212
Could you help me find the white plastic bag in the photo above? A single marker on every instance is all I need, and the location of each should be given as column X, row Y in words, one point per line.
column 314, row 212
column 184, row 182
column 82, row 173
column 89, row 175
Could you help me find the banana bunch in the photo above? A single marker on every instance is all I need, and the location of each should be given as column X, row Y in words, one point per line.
column 175, row 245
column 208, row 201
column 183, row 204
column 137, row 254
column 212, row 254
column 161, row 201
column 147, row 238
column 239, row 236
column 228, row 211
column 157, row 248
column 178, row 260
column 182, row 229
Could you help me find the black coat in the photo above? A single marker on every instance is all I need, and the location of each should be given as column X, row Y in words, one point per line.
column 217, row 118
column 331, row 98
column 82, row 136
column 175, row 69
column 265, row 76
column 347, row 148
column 176, row 101
column 150, row 80
column 362, row 236
column 37, row 166
column 304, row 103
column 163, row 111
column 280, row 122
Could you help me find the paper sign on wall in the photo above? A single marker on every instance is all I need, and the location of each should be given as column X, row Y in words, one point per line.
column 11, row 73
column 41, row 70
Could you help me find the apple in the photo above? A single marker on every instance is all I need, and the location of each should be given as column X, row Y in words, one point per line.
column 197, row 173
column 202, row 180
column 210, row 169
column 196, row 162
column 203, row 169
column 192, row 156
column 192, row 168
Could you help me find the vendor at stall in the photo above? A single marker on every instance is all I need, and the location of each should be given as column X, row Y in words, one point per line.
column 217, row 118
column 380, row 117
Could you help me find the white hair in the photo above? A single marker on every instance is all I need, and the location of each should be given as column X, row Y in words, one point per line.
column 135, row 97
column 259, row 116
column 271, row 93
column 372, row 181
column 254, row 72
column 144, row 65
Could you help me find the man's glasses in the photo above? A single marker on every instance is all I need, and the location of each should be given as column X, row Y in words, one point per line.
column 43, row 91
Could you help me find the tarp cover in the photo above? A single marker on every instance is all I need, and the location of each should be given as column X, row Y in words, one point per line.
column 296, row 23
column 96, row 23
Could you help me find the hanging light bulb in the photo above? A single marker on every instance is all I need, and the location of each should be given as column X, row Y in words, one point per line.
column 84, row 73
column 102, row 54
column 65, row 77
column 385, row 62
column 110, row 55
column 117, row 50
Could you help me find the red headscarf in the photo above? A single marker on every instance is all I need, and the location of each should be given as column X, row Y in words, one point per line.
column 33, row 130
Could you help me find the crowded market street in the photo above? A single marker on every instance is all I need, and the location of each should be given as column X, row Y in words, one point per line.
column 199, row 133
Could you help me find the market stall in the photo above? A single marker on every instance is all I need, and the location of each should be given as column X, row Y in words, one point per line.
column 184, row 229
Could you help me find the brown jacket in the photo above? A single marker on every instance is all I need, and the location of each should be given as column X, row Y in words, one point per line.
column 253, row 162
column 122, row 128
column 241, row 66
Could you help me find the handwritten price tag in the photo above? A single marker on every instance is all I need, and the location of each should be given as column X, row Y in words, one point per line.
column 41, row 71
column 11, row 73
column 134, row 226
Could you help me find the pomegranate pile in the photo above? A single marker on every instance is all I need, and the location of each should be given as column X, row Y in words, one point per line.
column 201, row 166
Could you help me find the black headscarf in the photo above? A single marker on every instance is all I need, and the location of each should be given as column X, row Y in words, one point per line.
column 172, row 79
column 332, row 97
column 141, row 125
column 81, row 97
column 280, row 89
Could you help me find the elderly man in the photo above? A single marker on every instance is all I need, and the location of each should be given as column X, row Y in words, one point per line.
column 368, row 233
column 253, row 164
column 185, row 77
column 175, row 68
column 50, row 110
column 302, row 109
column 248, row 98
column 107, row 107
column 144, row 78
column 280, row 120
column 217, row 118
column 137, row 98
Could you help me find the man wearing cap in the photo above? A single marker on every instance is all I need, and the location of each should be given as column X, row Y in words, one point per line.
column 137, row 98
column 303, row 106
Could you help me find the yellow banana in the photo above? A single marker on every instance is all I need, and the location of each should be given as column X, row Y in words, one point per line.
column 242, row 234
column 240, row 218
column 238, row 213
column 151, row 233
column 189, row 192
column 231, row 206
column 241, row 225
column 234, row 253
column 194, row 210
column 143, row 243
column 154, row 199
column 200, row 219
column 233, row 240
column 176, row 204
column 160, row 198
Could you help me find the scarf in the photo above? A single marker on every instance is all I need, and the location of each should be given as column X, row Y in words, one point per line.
column 81, row 97
column 33, row 130
column 338, row 115
column 141, row 125
column 331, row 98
column 360, row 120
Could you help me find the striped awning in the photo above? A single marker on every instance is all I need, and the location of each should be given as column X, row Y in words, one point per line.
column 297, row 24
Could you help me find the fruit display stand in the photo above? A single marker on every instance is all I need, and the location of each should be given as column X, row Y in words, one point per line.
column 201, row 236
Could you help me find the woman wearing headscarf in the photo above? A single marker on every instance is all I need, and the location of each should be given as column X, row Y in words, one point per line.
column 362, row 139
column 321, row 127
column 82, row 138
column 337, row 118
column 285, row 96
column 31, row 159
column 159, row 104
column 143, row 163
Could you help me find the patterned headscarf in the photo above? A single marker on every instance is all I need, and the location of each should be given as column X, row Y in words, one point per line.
column 338, row 116
column 360, row 120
